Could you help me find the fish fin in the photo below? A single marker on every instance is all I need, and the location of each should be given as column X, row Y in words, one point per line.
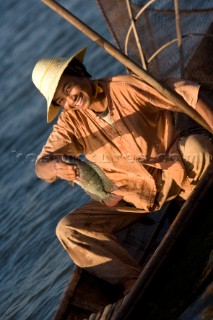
column 72, row 183
column 112, row 200
column 93, row 196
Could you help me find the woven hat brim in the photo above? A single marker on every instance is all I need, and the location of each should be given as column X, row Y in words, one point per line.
column 53, row 110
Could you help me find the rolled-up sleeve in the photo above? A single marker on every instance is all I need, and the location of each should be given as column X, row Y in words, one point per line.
column 187, row 89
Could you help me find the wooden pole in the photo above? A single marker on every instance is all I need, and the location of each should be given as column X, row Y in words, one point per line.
column 112, row 50
column 179, row 36
column 129, row 8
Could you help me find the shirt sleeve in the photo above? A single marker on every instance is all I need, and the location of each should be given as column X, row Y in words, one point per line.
column 60, row 141
column 186, row 89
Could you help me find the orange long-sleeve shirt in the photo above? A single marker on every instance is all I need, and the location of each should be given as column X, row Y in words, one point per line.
column 142, row 135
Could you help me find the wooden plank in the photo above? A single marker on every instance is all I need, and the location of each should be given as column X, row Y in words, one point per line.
column 84, row 295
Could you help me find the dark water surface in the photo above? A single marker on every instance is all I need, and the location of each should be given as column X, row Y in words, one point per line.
column 34, row 266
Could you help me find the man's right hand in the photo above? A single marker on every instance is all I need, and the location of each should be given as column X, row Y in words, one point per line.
column 65, row 171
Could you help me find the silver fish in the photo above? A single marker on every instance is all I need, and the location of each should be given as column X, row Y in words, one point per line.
column 94, row 181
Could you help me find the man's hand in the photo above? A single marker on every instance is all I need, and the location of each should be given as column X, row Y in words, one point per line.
column 65, row 171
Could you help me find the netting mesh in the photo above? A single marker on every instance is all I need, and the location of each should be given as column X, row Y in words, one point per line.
column 177, row 43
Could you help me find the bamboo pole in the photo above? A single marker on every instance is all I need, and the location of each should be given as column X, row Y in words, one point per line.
column 179, row 36
column 112, row 50
column 129, row 8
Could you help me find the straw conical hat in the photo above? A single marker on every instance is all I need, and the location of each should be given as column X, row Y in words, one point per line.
column 46, row 75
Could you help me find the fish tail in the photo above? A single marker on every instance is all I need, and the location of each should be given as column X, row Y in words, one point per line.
column 112, row 200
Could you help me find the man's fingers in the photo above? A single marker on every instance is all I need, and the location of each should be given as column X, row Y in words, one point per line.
column 65, row 171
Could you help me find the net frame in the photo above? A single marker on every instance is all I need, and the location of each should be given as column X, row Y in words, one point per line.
column 182, row 27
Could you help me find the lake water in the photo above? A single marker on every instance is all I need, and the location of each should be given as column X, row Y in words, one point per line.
column 34, row 266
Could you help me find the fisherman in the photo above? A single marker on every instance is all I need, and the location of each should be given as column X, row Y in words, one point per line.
column 124, row 126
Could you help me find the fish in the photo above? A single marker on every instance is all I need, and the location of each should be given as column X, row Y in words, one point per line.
column 94, row 181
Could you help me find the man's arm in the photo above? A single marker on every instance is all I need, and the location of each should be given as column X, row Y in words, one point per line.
column 61, row 141
column 195, row 96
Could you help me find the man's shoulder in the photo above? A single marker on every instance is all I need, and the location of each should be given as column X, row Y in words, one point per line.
column 127, row 78
column 65, row 119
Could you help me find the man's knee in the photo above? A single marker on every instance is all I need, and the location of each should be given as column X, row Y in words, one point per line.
column 195, row 145
column 64, row 224
column 197, row 153
column 60, row 228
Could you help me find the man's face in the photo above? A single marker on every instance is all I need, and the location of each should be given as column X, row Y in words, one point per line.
column 73, row 92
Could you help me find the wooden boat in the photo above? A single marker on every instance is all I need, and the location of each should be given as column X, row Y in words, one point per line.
column 174, row 245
